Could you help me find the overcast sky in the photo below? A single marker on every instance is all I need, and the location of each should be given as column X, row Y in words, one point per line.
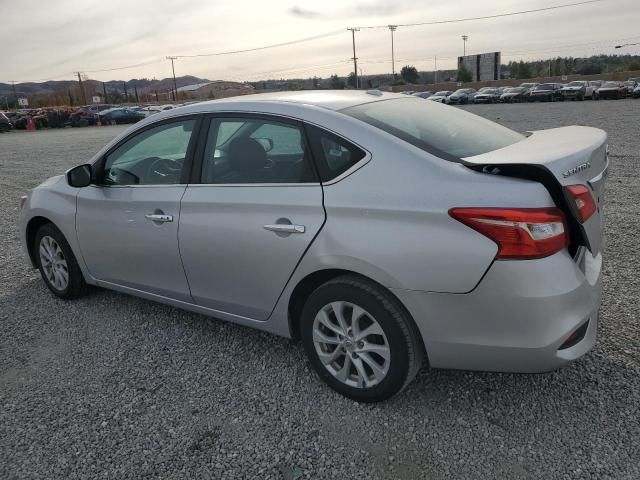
column 53, row 38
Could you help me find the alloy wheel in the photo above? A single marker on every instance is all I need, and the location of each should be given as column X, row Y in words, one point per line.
column 351, row 344
column 54, row 265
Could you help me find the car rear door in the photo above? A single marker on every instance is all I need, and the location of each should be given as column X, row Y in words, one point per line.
column 127, row 222
column 254, row 208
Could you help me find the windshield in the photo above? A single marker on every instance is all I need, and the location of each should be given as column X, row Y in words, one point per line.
column 575, row 84
column 461, row 90
column 610, row 84
column 545, row 86
column 444, row 93
column 436, row 128
column 489, row 90
column 527, row 85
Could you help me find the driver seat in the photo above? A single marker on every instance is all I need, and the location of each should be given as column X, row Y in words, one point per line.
column 247, row 163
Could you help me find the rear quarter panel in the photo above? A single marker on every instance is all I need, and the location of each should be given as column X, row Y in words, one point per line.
column 389, row 220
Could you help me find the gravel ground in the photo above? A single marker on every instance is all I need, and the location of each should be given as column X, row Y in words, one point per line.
column 116, row 387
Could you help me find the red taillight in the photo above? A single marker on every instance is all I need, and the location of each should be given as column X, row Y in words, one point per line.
column 521, row 233
column 583, row 201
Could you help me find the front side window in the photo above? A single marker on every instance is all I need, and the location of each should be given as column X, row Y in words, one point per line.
column 434, row 127
column 153, row 157
column 256, row 150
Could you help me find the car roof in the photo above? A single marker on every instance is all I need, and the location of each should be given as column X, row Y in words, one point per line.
column 330, row 99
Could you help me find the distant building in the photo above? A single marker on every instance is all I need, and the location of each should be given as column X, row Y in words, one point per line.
column 217, row 89
column 485, row 66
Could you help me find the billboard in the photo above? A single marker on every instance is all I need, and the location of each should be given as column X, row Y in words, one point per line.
column 483, row 66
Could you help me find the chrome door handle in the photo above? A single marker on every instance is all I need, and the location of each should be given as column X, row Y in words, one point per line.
column 154, row 217
column 285, row 228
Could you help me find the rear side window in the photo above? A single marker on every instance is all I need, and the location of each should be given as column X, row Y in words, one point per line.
column 443, row 130
column 333, row 155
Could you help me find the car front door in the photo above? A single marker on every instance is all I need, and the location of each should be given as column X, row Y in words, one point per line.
column 255, row 210
column 127, row 223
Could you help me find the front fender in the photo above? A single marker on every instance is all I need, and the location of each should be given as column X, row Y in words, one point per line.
column 55, row 201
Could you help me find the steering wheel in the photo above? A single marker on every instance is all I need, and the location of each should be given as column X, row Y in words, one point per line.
column 165, row 169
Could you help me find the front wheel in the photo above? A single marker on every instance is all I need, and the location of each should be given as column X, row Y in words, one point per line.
column 57, row 264
column 360, row 340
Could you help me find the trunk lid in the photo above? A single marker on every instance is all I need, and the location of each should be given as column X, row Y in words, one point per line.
column 557, row 158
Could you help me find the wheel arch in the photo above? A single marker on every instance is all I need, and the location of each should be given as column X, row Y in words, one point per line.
column 33, row 226
column 313, row 280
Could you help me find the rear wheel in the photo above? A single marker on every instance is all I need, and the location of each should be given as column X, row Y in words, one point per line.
column 360, row 340
column 57, row 264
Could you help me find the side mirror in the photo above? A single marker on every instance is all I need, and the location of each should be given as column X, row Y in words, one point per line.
column 79, row 176
column 266, row 143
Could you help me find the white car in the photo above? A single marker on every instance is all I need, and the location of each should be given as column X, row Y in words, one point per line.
column 383, row 230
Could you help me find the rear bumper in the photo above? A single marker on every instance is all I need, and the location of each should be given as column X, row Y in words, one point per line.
column 516, row 319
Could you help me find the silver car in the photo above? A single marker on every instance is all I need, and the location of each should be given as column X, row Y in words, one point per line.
column 384, row 231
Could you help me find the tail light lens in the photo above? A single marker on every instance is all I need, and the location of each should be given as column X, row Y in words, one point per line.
column 582, row 201
column 521, row 233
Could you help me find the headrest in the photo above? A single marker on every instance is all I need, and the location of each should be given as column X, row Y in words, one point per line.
column 246, row 155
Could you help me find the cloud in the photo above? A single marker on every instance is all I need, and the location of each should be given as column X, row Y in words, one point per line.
column 359, row 9
column 304, row 13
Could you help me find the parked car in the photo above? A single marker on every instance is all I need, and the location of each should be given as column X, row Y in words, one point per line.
column 496, row 265
column 529, row 87
column 513, row 95
column 440, row 96
column 615, row 90
column 487, row 95
column 595, row 85
column 630, row 86
column 425, row 94
column 636, row 92
column 97, row 108
column 546, row 92
column 577, row 90
column 462, row 96
column 5, row 123
column 117, row 116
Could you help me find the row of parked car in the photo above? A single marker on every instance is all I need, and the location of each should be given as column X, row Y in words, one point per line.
column 538, row 92
column 60, row 117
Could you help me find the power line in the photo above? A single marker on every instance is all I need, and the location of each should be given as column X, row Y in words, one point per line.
column 275, row 45
column 485, row 17
column 125, row 67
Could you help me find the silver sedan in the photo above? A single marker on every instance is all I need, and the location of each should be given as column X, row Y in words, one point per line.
column 384, row 231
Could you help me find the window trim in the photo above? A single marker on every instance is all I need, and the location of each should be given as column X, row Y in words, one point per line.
column 187, row 168
column 198, row 165
column 353, row 168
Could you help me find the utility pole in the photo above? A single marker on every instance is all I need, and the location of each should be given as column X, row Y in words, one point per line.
column 175, row 87
column 464, row 47
column 435, row 66
column 84, row 96
column 104, row 90
column 393, row 61
column 355, row 59
column 15, row 95
column 126, row 95
column 135, row 89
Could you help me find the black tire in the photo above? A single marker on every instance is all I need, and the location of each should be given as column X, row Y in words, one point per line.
column 76, row 286
column 404, row 340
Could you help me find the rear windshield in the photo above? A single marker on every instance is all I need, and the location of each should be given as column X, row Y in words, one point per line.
column 440, row 129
